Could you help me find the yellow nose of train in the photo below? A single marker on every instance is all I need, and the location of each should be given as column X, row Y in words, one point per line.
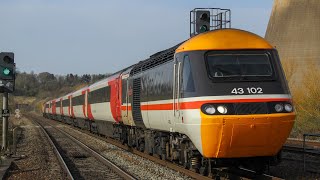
column 232, row 136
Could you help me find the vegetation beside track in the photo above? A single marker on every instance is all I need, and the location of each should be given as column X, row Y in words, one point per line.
column 305, row 90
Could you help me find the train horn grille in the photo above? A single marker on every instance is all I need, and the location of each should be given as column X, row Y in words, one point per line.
column 251, row 108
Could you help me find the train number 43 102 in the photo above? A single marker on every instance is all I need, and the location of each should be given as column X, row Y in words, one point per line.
column 249, row 90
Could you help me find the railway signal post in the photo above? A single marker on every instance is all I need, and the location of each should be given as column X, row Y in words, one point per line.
column 7, row 81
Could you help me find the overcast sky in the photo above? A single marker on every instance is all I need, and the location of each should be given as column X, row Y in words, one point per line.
column 104, row 36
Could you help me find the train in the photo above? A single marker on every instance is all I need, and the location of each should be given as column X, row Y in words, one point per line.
column 218, row 99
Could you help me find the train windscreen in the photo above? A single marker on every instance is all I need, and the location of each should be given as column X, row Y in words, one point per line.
column 240, row 67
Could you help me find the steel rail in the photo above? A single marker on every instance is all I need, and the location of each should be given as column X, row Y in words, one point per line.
column 168, row 164
column 104, row 160
column 55, row 150
column 301, row 150
column 95, row 154
column 262, row 176
column 149, row 157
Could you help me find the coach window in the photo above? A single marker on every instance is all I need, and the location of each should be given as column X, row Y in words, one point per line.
column 187, row 79
column 75, row 101
column 65, row 103
column 100, row 95
column 81, row 99
column 78, row 100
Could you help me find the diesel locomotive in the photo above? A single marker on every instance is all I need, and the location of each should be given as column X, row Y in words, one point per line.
column 219, row 99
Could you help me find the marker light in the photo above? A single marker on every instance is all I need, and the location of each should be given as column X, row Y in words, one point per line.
column 222, row 109
column 209, row 109
column 278, row 107
column 288, row 107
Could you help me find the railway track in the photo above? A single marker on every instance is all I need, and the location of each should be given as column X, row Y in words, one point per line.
column 219, row 173
column 76, row 159
column 299, row 143
column 309, row 151
column 311, row 148
column 301, row 150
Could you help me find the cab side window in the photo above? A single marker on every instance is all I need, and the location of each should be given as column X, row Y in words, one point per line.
column 187, row 78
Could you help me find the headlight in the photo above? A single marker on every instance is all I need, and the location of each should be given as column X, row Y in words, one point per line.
column 222, row 109
column 209, row 109
column 288, row 107
column 278, row 107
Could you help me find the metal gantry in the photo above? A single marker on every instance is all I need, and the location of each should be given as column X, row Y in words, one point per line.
column 206, row 19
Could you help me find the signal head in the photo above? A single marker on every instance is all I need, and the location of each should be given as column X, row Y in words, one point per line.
column 7, row 66
column 202, row 19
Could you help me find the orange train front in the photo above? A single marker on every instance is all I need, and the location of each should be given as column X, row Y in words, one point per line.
column 243, row 106
column 218, row 99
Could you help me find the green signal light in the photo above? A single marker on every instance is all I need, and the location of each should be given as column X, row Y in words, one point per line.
column 203, row 28
column 6, row 71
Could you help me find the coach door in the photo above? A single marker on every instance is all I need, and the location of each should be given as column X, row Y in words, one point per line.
column 85, row 105
column 176, row 91
column 124, row 99
column 125, row 105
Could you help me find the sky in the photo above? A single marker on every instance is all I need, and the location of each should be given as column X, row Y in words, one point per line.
column 105, row 36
